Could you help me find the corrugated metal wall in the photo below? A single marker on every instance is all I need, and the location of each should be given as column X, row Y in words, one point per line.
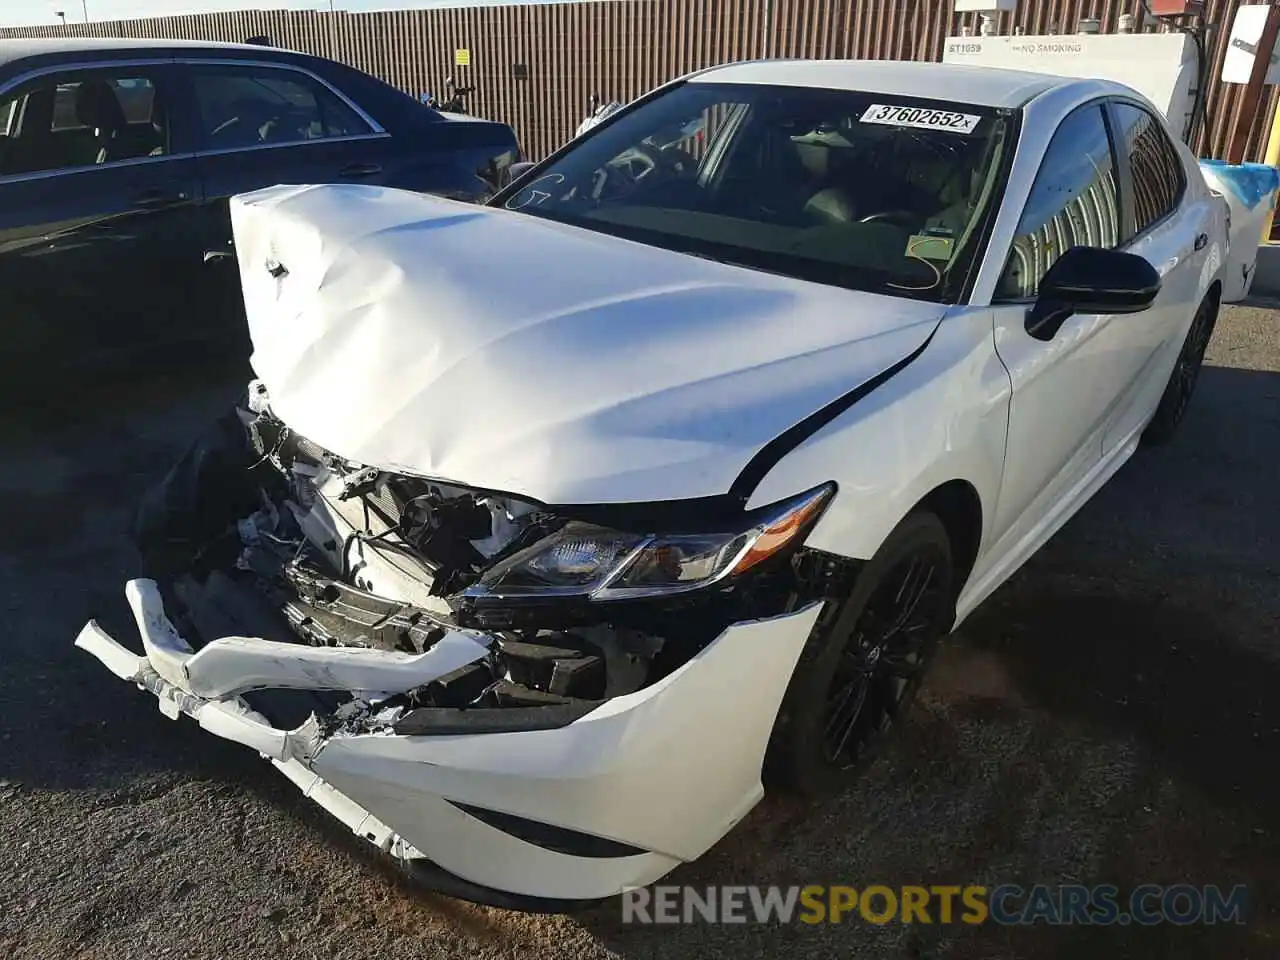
column 620, row 48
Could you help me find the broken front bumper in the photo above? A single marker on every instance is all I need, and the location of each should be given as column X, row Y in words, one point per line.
column 537, row 818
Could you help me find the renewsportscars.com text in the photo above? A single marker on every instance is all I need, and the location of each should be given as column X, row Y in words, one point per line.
column 1005, row 904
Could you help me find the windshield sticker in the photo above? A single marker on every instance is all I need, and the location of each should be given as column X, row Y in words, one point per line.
column 925, row 247
column 921, row 117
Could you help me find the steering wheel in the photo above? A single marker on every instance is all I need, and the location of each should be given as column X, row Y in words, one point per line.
column 246, row 130
column 901, row 218
column 621, row 176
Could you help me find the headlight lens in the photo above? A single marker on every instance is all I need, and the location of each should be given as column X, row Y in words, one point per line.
column 583, row 559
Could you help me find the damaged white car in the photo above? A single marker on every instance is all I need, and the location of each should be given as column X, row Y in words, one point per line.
column 552, row 529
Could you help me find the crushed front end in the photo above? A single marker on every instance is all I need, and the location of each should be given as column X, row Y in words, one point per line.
column 528, row 706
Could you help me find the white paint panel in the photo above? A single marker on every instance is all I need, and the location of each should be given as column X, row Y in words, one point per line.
column 669, row 768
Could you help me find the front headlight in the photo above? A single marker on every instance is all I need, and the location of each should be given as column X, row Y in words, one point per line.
column 586, row 560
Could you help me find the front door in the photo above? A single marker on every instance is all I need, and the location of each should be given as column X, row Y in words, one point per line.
column 1063, row 388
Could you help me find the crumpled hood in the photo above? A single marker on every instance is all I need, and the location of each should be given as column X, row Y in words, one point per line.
column 498, row 350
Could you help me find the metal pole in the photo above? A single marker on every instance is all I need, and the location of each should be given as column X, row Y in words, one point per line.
column 1253, row 89
column 333, row 33
column 84, row 5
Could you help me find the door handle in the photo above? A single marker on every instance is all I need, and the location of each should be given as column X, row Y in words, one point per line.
column 360, row 170
column 1202, row 241
column 151, row 199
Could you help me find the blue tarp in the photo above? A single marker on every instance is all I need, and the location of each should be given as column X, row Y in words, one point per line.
column 1252, row 183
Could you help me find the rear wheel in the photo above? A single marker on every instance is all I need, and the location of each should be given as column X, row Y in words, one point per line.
column 864, row 660
column 1186, row 373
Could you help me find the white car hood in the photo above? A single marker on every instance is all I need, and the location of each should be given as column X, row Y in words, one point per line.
column 498, row 350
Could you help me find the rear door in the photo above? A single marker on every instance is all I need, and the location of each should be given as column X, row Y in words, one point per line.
column 1172, row 236
column 261, row 124
column 98, row 215
column 258, row 124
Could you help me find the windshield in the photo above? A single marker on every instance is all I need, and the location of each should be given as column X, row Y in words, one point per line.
column 867, row 191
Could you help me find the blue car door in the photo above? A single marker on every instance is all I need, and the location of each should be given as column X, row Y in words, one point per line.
column 99, row 218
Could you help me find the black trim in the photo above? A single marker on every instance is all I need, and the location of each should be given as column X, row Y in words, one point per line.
column 717, row 513
column 453, row 722
column 768, row 456
column 571, row 843
column 439, row 880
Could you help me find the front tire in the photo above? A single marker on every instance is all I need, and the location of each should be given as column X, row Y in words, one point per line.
column 1186, row 373
column 864, row 660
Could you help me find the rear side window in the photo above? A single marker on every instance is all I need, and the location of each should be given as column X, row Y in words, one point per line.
column 1073, row 202
column 251, row 106
column 1158, row 177
column 135, row 95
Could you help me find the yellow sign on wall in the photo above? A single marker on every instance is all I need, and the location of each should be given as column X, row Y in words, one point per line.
column 462, row 58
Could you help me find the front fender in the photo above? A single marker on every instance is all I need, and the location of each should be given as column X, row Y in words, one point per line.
column 943, row 417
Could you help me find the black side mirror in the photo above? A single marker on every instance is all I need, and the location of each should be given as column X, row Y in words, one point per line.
column 1091, row 280
column 519, row 169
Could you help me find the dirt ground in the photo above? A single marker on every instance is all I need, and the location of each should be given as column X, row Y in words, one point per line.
column 1109, row 716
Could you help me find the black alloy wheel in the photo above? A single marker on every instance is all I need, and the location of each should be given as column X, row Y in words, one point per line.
column 864, row 660
column 885, row 652
column 1186, row 374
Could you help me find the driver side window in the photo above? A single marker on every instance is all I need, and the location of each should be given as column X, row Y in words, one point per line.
column 252, row 106
column 1073, row 202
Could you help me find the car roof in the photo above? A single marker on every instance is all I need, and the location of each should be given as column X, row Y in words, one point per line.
column 12, row 51
column 982, row 86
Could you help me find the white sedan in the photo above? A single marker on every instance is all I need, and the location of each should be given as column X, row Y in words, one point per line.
column 553, row 530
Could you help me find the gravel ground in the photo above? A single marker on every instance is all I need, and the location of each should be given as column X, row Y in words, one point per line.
column 1107, row 717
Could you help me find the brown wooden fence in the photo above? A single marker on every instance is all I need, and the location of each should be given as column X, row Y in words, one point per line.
column 534, row 66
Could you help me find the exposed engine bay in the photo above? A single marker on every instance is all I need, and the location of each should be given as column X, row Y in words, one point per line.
column 259, row 532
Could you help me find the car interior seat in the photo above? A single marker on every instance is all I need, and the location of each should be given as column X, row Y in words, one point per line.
column 98, row 108
column 829, row 166
column 957, row 196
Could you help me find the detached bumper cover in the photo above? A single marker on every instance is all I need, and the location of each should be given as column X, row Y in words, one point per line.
column 665, row 771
